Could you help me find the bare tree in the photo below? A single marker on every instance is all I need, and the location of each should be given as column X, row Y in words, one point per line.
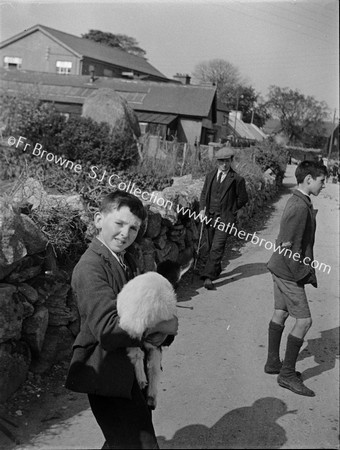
column 301, row 117
column 224, row 75
column 232, row 88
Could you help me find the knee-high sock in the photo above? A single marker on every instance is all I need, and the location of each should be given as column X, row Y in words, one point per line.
column 294, row 345
column 275, row 331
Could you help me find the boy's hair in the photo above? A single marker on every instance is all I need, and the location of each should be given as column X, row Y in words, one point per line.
column 118, row 199
column 312, row 168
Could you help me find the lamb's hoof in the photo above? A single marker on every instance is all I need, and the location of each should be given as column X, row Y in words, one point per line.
column 152, row 403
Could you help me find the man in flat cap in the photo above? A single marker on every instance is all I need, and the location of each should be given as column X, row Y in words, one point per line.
column 223, row 194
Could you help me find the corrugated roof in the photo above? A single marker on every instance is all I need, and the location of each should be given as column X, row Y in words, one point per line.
column 86, row 47
column 169, row 98
column 258, row 130
column 255, row 131
column 164, row 119
column 244, row 130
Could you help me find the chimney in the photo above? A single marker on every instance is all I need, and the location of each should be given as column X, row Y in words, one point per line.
column 183, row 78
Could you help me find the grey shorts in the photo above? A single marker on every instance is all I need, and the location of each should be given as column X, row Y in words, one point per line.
column 290, row 297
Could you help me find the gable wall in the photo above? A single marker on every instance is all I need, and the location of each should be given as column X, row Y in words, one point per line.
column 33, row 49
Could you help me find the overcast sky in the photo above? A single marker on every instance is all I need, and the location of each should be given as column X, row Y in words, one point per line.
column 291, row 43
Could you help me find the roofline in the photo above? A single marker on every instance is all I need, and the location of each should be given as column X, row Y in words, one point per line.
column 44, row 31
column 71, row 77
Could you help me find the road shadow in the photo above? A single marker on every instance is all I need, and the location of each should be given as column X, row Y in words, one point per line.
column 247, row 427
column 325, row 351
column 191, row 282
column 41, row 409
column 244, row 271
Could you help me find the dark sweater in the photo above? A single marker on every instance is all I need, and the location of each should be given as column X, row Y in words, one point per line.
column 297, row 234
column 100, row 364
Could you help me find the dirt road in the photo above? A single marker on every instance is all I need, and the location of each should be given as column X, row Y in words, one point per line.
column 214, row 392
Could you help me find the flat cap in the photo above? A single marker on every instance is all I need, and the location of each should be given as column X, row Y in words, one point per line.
column 225, row 153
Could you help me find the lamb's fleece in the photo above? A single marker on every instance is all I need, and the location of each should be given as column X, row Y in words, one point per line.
column 145, row 301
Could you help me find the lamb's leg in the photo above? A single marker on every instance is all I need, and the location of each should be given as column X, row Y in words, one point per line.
column 154, row 368
column 136, row 356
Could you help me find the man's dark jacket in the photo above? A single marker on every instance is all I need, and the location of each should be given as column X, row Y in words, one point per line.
column 100, row 364
column 296, row 236
column 233, row 196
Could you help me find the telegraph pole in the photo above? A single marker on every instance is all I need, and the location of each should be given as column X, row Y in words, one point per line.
column 237, row 102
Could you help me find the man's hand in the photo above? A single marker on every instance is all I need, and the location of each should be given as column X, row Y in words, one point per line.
column 201, row 215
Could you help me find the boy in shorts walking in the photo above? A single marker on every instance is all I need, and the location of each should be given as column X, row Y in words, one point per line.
column 291, row 269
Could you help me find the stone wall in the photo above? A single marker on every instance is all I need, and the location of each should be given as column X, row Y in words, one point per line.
column 38, row 316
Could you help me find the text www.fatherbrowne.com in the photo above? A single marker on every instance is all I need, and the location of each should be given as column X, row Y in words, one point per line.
column 116, row 182
column 254, row 239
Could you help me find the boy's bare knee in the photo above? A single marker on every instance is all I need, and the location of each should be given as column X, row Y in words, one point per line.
column 280, row 316
column 301, row 327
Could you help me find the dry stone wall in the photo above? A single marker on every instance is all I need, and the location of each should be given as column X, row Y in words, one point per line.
column 38, row 316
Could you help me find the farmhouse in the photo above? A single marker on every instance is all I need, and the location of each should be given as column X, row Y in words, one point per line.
column 44, row 49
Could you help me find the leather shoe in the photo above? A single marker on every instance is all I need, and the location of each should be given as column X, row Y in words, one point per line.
column 295, row 385
column 208, row 284
column 275, row 369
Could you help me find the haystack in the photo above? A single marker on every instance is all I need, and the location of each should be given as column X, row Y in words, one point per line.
column 105, row 105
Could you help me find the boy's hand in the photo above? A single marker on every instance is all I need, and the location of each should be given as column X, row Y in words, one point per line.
column 165, row 327
column 156, row 339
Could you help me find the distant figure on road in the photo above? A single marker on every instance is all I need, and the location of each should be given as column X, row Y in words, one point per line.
column 291, row 270
column 223, row 194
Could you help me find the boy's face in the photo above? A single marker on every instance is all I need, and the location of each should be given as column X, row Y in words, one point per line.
column 117, row 228
column 316, row 185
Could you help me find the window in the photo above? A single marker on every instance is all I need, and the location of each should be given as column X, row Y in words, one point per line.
column 143, row 127
column 108, row 73
column 64, row 67
column 225, row 119
column 12, row 62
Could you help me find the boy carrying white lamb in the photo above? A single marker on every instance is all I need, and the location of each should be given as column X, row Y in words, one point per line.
column 100, row 366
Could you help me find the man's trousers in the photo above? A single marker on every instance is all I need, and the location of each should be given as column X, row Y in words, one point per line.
column 216, row 241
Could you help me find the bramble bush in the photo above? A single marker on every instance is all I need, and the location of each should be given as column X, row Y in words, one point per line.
column 270, row 155
column 76, row 138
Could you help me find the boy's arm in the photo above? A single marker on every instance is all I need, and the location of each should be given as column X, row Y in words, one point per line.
column 97, row 307
column 293, row 226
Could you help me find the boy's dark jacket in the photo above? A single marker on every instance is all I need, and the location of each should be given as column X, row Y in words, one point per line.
column 233, row 197
column 100, row 364
column 296, row 235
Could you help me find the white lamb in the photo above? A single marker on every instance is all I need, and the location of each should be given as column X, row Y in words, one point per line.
column 143, row 302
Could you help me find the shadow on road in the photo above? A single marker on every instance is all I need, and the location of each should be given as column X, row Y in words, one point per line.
column 325, row 351
column 247, row 427
column 244, row 271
